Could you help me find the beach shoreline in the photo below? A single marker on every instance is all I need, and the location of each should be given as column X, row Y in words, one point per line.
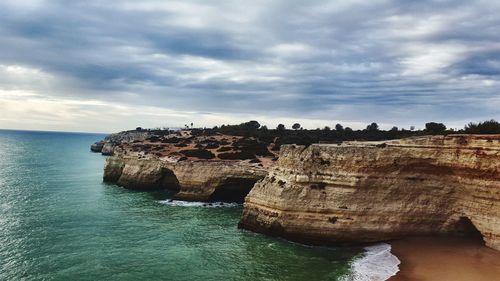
column 445, row 258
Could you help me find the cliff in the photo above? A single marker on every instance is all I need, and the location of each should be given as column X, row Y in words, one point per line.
column 106, row 146
column 374, row 191
column 192, row 180
column 196, row 167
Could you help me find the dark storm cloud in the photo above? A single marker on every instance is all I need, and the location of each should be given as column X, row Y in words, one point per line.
column 385, row 61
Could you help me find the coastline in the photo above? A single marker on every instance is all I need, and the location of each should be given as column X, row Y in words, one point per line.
column 173, row 162
column 445, row 258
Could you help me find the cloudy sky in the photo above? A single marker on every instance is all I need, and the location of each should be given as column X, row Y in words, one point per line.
column 104, row 66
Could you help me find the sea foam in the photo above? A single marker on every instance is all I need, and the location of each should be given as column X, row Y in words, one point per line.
column 376, row 264
column 180, row 203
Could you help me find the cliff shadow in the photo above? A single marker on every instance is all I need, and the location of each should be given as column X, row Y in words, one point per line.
column 233, row 190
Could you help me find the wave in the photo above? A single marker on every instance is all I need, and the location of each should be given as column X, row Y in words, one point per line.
column 180, row 203
column 376, row 264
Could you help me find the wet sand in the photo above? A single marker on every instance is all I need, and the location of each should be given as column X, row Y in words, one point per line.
column 445, row 259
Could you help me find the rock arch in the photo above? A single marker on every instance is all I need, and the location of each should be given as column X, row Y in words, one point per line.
column 168, row 180
column 233, row 189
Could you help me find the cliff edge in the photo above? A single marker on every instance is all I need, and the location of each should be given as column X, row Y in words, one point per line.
column 192, row 180
column 197, row 167
column 375, row 191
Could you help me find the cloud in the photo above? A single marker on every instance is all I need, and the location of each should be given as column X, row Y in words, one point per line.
column 393, row 62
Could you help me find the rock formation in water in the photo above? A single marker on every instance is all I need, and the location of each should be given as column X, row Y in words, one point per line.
column 198, row 168
column 193, row 180
column 374, row 191
column 97, row 146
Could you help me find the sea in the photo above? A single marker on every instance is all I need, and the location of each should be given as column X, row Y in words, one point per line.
column 60, row 221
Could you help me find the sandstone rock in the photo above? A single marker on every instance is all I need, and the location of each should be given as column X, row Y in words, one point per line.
column 193, row 180
column 113, row 169
column 97, row 146
column 106, row 146
column 374, row 191
column 127, row 136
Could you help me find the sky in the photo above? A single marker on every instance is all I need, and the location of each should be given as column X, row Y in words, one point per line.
column 106, row 66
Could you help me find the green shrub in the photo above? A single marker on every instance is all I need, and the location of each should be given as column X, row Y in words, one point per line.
column 239, row 155
column 486, row 127
column 198, row 153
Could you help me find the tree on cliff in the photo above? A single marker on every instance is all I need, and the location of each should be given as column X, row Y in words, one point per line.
column 251, row 125
column 435, row 128
column 280, row 127
column 486, row 127
column 339, row 127
column 296, row 126
column 372, row 127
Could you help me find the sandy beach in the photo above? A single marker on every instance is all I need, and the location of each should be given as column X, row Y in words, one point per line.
column 445, row 259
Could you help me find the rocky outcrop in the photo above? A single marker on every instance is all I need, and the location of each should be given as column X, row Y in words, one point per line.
column 193, row 180
column 373, row 191
column 128, row 136
column 97, row 146
column 106, row 146
column 198, row 165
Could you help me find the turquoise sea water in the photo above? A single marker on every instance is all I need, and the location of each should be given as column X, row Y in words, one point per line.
column 58, row 221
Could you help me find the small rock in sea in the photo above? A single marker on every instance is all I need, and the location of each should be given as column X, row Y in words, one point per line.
column 204, row 205
column 210, row 204
column 170, row 200
column 221, row 203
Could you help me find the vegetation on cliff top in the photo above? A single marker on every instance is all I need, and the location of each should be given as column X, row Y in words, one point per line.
column 486, row 127
column 298, row 135
column 257, row 138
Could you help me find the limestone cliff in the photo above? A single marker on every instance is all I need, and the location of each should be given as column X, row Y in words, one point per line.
column 194, row 180
column 198, row 165
column 97, row 146
column 106, row 146
column 373, row 191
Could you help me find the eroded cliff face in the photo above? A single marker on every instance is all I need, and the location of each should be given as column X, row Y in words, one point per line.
column 106, row 146
column 373, row 191
column 193, row 180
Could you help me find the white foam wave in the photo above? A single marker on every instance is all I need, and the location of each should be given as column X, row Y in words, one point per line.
column 376, row 264
column 181, row 203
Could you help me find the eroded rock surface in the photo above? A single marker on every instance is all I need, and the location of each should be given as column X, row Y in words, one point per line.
column 198, row 166
column 193, row 180
column 163, row 164
column 373, row 191
column 106, row 146
column 97, row 146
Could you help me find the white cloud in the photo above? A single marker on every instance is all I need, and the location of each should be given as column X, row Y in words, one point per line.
column 18, row 76
column 208, row 69
column 291, row 49
column 425, row 59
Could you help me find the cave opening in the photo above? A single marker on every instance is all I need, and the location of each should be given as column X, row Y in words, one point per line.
column 169, row 181
column 233, row 190
column 469, row 230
